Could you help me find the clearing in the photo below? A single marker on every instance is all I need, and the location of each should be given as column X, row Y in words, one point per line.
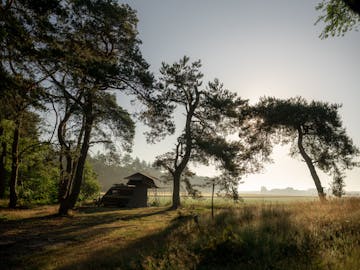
column 297, row 235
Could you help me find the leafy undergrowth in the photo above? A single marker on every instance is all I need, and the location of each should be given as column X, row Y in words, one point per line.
column 251, row 236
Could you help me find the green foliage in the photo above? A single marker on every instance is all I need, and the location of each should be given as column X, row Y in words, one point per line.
column 38, row 173
column 314, row 130
column 38, row 177
column 24, row 29
column 90, row 187
column 211, row 113
column 337, row 185
column 338, row 17
column 74, row 52
column 38, row 170
column 227, row 186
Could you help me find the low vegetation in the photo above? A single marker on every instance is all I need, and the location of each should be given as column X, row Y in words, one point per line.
column 299, row 235
column 267, row 236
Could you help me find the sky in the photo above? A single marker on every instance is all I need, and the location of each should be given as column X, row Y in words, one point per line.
column 255, row 48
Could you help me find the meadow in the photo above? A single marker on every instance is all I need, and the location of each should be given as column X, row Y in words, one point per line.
column 253, row 234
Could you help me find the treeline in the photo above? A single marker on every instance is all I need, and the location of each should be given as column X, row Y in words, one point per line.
column 70, row 61
column 36, row 165
column 38, row 168
column 110, row 171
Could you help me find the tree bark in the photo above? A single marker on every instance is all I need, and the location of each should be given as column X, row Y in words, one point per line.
column 65, row 175
column 14, row 165
column 78, row 177
column 188, row 147
column 66, row 172
column 2, row 166
column 74, row 186
column 311, row 167
column 176, row 192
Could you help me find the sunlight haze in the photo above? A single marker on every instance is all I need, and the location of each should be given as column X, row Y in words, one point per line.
column 256, row 48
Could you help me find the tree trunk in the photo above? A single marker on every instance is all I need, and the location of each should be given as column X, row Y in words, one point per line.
column 176, row 192
column 64, row 207
column 74, row 186
column 2, row 166
column 311, row 167
column 186, row 157
column 66, row 172
column 14, row 166
column 66, row 178
column 78, row 177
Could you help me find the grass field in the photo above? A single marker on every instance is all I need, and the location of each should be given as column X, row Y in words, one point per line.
column 221, row 202
column 291, row 235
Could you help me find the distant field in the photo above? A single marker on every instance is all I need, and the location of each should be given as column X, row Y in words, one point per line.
column 205, row 200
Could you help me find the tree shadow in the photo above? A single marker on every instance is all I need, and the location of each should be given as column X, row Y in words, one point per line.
column 129, row 256
column 274, row 242
column 27, row 237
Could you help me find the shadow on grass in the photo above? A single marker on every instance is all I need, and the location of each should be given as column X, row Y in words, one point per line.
column 129, row 256
column 29, row 237
column 268, row 240
column 230, row 242
column 124, row 216
column 272, row 242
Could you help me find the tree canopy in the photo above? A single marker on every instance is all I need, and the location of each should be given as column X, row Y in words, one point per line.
column 339, row 16
column 211, row 113
column 95, row 54
column 79, row 53
column 74, row 57
column 314, row 130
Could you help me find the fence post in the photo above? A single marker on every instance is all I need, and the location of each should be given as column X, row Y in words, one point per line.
column 212, row 200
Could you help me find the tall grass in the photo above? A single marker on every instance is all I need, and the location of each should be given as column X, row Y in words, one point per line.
column 297, row 235
column 222, row 202
column 293, row 236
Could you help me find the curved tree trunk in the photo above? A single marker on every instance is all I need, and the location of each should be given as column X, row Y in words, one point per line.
column 310, row 165
column 65, row 166
column 74, row 186
column 188, row 148
column 65, row 184
column 65, row 175
column 78, row 177
column 14, row 165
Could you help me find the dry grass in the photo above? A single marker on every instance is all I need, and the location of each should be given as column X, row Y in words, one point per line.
column 302, row 235
column 37, row 239
column 268, row 236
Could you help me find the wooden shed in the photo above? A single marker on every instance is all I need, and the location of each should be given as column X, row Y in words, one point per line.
column 133, row 194
column 141, row 183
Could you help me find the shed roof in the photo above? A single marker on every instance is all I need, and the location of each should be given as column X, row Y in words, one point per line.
column 142, row 178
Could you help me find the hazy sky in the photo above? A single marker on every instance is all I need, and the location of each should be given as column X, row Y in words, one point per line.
column 256, row 48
